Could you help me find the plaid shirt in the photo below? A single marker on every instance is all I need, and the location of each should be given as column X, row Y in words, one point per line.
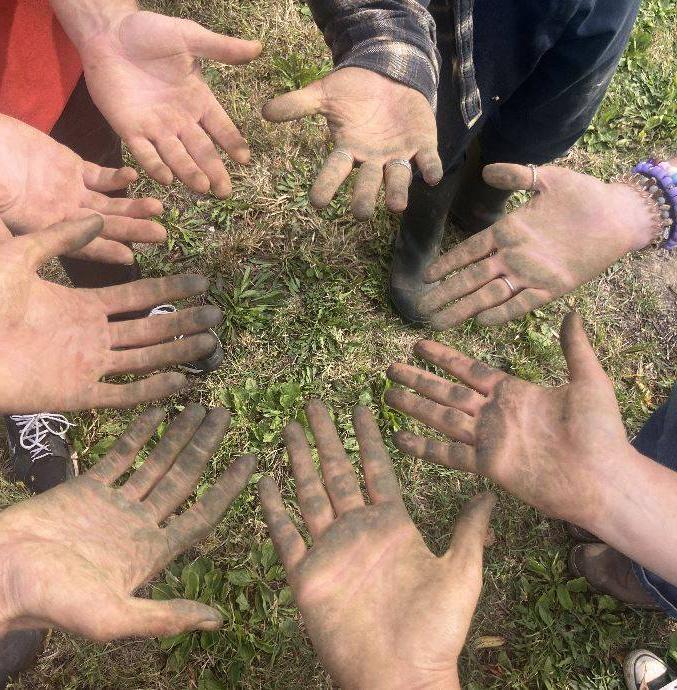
column 396, row 38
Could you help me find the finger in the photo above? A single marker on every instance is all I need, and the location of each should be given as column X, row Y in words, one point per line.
column 339, row 476
column 458, row 456
column 294, row 105
column 208, row 44
column 332, row 175
column 105, row 251
column 512, row 177
column 115, row 206
column 122, row 455
column 379, row 475
column 288, row 542
column 490, row 295
column 101, row 179
column 436, row 388
column 149, row 160
column 468, row 252
column 124, row 229
column 463, row 283
column 222, row 130
column 470, row 533
column 5, row 234
column 174, row 154
column 365, row 191
column 119, row 396
column 430, row 165
column 149, row 292
column 397, row 181
column 162, row 457
column 163, row 327
column 201, row 149
column 448, row 420
column 197, row 522
column 61, row 238
column 145, row 359
column 473, row 373
column 180, row 481
column 519, row 305
column 581, row 358
column 135, row 617
column 312, row 498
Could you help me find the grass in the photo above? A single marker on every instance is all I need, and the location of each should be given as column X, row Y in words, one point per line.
column 307, row 314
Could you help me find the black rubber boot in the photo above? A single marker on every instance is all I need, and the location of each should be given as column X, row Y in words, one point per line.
column 418, row 242
column 18, row 651
column 476, row 204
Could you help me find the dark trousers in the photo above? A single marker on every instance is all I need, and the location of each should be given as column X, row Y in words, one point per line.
column 658, row 440
column 83, row 129
column 542, row 68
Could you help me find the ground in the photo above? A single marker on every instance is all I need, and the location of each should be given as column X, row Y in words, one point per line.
column 307, row 314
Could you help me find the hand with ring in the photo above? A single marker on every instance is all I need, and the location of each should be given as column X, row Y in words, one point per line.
column 572, row 229
column 375, row 122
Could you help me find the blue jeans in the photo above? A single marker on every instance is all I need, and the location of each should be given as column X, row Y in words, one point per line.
column 658, row 440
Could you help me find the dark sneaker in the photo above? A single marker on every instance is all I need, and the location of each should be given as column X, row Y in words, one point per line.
column 18, row 651
column 609, row 572
column 645, row 671
column 581, row 535
column 202, row 366
column 39, row 455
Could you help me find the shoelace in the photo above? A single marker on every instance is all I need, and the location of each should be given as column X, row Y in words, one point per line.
column 171, row 309
column 35, row 427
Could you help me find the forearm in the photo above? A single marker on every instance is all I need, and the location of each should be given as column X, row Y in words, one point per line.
column 638, row 513
column 395, row 38
column 84, row 19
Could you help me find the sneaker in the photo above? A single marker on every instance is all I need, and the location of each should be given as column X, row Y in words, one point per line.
column 645, row 671
column 39, row 455
column 18, row 651
column 202, row 366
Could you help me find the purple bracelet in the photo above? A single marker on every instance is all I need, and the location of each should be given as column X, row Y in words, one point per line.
column 661, row 183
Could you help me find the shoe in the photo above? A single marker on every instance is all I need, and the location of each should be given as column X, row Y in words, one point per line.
column 39, row 455
column 581, row 535
column 18, row 651
column 476, row 205
column 609, row 572
column 202, row 366
column 418, row 243
column 645, row 671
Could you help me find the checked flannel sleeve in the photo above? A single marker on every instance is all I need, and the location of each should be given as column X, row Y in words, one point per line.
column 395, row 38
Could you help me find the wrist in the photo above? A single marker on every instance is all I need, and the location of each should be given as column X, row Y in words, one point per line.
column 407, row 679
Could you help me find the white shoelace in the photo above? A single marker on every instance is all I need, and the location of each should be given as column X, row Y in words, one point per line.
column 35, row 427
column 162, row 309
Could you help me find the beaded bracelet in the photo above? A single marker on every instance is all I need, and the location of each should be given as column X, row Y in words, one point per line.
column 657, row 181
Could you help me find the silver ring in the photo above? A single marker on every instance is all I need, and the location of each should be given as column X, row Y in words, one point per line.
column 534, row 176
column 345, row 154
column 509, row 284
column 399, row 161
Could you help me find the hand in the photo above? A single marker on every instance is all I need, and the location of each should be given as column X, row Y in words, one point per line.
column 373, row 119
column 143, row 74
column 381, row 609
column 56, row 342
column 550, row 447
column 73, row 556
column 44, row 183
column 572, row 230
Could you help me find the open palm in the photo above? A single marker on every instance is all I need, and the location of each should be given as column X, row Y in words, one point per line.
column 143, row 74
column 45, row 183
column 380, row 608
column 73, row 556
column 547, row 446
column 57, row 343
column 374, row 120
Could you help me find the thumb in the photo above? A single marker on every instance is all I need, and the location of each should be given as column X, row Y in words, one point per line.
column 295, row 104
column 470, row 533
column 513, row 177
column 208, row 44
column 62, row 238
column 134, row 617
column 581, row 358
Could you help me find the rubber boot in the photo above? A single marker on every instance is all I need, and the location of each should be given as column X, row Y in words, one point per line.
column 418, row 243
column 476, row 204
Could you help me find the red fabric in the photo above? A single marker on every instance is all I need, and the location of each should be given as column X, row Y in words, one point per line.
column 39, row 66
